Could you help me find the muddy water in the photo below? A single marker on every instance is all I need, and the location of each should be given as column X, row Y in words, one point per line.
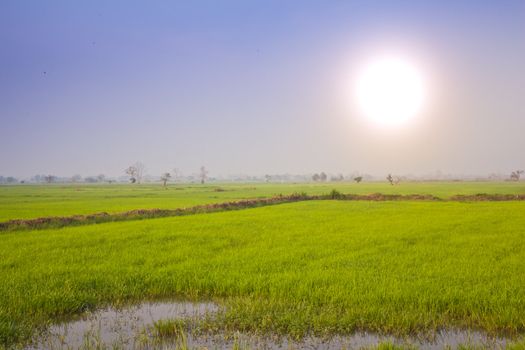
column 443, row 340
column 123, row 327
column 128, row 329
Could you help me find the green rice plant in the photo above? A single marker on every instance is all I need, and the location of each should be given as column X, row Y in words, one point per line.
column 335, row 194
column 170, row 329
column 34, row 201
column 517, row 345
column 392, row 346
column 306, row 268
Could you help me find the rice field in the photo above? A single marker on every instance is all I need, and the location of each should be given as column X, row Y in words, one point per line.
column 31, row 201
column 311, row 268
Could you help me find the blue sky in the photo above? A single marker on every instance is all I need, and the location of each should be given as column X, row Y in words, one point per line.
column 254, row 87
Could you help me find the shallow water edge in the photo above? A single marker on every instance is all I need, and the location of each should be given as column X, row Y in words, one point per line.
column 134, row 328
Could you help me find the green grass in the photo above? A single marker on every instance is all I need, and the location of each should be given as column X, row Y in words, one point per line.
column 318, row 267
column 31, row 201
column 391, row 346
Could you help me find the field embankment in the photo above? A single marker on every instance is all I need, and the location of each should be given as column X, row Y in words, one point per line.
column 141, row 214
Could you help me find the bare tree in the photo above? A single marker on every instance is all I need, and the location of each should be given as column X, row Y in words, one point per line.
column 267, row 178
column 101, row 177
column 323, row 176
column 203, row 174
column 132, row 172
column 316, row 177
column 135, row 172
column 165, row 178
column 358, row 179
column 49, row 178
column 394, row 180
column 516, row 175
column 390, row 179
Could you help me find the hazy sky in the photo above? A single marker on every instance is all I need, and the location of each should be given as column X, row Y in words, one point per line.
column 255, row 87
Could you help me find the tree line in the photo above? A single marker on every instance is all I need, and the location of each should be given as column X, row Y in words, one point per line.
column 136, row 174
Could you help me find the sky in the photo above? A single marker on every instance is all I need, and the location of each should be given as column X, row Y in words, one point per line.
column 255, row 87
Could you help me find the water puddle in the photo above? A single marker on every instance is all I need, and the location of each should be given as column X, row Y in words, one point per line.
column 121, row 328
column 131, row 328
column 443, row 340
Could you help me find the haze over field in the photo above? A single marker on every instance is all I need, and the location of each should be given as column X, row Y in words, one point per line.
column 256, row 87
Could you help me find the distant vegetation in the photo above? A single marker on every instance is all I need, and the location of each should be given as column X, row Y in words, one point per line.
column 165, row 178
column 136, row 174
column 515, row 175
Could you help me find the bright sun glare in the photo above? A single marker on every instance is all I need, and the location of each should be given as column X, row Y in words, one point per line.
column 390, row 91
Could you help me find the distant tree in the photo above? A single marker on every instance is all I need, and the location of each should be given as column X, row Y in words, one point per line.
column 101, row 177
column 358, row 179
column 390, row 179
column 165, row 178
column 394, row 180
column 37, row 178
column 494, row 176
column 267, row 178
column 131, row 171
column 11, row 180
column 135, row 172
column 203, row 175
column 76, row 178
column 516, row 175
column 50, row 178
column 316, row 177
column 337, row 178
column 323, row 176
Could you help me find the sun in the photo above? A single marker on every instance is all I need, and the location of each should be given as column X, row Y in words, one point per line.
column 390, row 91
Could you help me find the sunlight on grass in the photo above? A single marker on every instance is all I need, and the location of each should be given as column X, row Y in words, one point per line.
column 318, row 267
